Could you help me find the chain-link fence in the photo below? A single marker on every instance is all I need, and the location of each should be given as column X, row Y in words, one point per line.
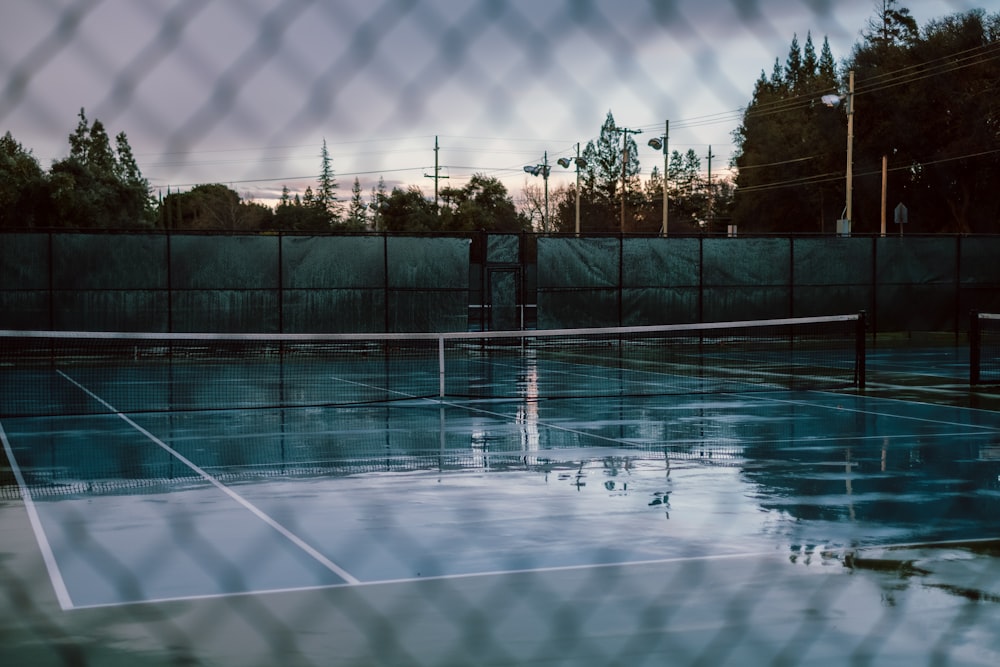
column 815, row 534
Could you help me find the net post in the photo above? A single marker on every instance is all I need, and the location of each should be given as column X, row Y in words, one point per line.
column 860, row 352
column 441, row 367
column 975, row 338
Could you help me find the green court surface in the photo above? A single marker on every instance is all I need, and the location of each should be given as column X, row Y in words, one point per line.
column 849, row 526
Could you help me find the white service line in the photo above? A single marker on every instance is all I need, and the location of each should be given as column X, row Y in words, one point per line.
column 977, row 427
column 62, row 593
column 256, row 511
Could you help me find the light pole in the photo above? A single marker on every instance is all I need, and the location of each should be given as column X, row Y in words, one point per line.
column 833, row 101
column 543, row 171
column 580, row 163
column 657, row 143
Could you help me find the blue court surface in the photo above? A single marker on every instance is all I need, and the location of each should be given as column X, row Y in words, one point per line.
column 867, row 519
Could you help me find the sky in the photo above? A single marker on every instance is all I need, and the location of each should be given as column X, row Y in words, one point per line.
column 245, row 92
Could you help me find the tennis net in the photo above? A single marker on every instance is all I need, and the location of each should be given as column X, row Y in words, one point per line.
column 984, row 348
column 58, row 373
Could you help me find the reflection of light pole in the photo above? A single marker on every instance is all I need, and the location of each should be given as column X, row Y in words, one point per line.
column 832, row 101
column 543, row 171
column 580, row 163
column 657, row 143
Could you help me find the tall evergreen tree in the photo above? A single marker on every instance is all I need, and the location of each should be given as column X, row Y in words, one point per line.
column 357, row 218
column 601, row 180
column 788, row 148
column 326, row 192
column 794, row 72
column 810, row 65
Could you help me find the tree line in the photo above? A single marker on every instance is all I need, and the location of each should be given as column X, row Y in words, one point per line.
column 98, row 187
column 925, row 105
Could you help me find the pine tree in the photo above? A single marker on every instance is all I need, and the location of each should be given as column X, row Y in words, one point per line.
column 793, row 67
column 326, row 193
column 79, row 141
column 100, row 158
column 827, row 68
column 787, row 139
column 601, row 178
column 604, row 161
column 810, row 66
column 137, row 202
column 356, row 216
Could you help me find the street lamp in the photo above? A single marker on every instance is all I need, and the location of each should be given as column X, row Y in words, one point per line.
column 657, row 143
column 543, row 171
column 833, row 101
column 580, row 163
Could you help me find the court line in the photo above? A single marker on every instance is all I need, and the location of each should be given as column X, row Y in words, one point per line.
column 256, row 511
column 48, row 556
column 464, row 575
column 983, row 428
column 772, row 553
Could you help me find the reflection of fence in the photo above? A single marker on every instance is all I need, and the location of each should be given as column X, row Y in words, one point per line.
column 287, row 283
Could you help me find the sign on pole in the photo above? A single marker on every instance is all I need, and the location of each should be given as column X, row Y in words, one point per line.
column 900, row 216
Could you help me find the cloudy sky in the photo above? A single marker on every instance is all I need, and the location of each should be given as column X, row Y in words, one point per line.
column 244, row 92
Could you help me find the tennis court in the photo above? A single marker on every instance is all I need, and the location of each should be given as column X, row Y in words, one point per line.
column 585, row 499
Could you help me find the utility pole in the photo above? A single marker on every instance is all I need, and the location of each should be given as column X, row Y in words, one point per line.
column 850, row 150
column 625, row 132
column 844, row 224
column 885, row 170
column 436, row 175
column 710, row 198
column 577, row 188
column 666, row 173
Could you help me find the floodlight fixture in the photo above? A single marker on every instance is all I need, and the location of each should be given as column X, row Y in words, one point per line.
column 831, row 100
column 564, row 162
column 660, row 144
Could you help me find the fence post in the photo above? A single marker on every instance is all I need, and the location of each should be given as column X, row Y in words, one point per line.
column 861, row 351
column 974, row 342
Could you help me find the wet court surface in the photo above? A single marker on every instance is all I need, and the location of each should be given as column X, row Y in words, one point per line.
column 524, row 508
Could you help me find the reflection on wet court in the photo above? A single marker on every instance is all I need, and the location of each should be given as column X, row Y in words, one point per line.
column 589, row 477
column 421, row 490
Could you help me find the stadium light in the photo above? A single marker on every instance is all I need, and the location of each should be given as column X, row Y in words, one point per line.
column 543, row 171
column 660, row 143
column 581, row 163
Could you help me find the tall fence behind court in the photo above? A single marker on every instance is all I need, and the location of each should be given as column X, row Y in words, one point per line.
column 368, row 283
